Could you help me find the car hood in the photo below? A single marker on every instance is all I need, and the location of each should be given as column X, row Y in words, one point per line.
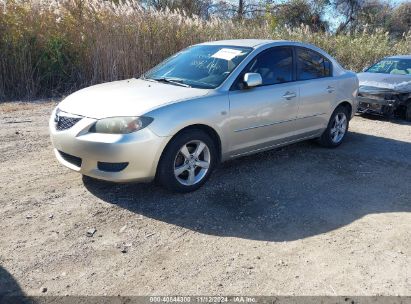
column 132, row 97
column 383, row 82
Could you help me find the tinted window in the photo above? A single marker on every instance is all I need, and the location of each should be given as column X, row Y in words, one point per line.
column 312, row 65
column 274, row 65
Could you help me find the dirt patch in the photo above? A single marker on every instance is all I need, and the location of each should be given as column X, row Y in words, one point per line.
column 301, row 220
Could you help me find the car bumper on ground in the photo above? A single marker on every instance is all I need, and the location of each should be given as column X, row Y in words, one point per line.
column 111, row 157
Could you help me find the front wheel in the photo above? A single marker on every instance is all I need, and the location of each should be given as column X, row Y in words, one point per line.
column 337, row 128
column 187, row 161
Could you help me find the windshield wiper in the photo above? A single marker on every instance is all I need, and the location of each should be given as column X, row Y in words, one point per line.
column 174, row 81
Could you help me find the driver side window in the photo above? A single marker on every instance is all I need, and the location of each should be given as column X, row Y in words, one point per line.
column 275, row 66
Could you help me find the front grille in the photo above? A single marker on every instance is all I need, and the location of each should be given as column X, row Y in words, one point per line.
column 74, row 160
column 65, row 122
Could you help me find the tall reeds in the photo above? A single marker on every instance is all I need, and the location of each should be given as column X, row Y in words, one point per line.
column 49, row 48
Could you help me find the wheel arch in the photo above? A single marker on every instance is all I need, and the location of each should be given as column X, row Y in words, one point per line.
column 210, row 131
column 347, row 105
column 203, row 127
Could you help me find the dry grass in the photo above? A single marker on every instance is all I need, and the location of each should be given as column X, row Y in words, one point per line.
column 49, row 48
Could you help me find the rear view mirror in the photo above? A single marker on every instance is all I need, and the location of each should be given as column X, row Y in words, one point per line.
column 252, row 80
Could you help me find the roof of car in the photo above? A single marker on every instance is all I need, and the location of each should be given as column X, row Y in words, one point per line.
column 266, row 43
column 400, row 57
column 244, row 42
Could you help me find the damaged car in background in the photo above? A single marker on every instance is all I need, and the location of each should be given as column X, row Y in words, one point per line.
column 385, row 88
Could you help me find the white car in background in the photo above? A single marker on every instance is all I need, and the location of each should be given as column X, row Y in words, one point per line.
column 208, row 103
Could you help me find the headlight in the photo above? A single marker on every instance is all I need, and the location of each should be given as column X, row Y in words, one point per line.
column 120, row 125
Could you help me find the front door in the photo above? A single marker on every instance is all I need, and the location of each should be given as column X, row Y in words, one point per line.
column 265, row 115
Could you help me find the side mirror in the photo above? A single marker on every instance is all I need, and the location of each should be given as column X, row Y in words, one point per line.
column 252, row 80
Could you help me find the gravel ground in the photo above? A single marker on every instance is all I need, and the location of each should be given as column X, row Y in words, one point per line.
column 301, row 220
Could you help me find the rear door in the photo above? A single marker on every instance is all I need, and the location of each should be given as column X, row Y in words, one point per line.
column 264, row 116
column 317, row 91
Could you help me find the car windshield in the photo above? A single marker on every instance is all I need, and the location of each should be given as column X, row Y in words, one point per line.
column 392, row 66
column 200, row 66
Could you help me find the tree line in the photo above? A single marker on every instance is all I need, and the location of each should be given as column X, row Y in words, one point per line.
column 347, row 16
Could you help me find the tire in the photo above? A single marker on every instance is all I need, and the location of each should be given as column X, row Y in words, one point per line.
column 329, row 138
column 180, row 157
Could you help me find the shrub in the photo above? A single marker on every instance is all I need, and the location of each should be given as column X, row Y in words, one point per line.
column 49, row 48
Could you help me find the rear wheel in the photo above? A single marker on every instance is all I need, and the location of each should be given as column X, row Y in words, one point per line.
column 337, row 128
column 187, row 161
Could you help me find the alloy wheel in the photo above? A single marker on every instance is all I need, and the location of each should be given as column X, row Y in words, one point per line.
column 339, row 128
column 192, row 162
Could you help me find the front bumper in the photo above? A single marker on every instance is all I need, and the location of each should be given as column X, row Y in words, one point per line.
column 84, row 152
column 374, row 105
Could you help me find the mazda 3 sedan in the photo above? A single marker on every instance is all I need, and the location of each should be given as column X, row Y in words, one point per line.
column 208, row 103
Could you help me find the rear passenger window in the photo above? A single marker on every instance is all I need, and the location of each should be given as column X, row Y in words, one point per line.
column 312, row 65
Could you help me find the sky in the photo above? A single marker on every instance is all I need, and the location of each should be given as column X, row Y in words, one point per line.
column 398, row 1
column 333, row 20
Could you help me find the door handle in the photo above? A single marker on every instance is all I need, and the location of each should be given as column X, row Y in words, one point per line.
column 289, row 95
column 330, row 89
